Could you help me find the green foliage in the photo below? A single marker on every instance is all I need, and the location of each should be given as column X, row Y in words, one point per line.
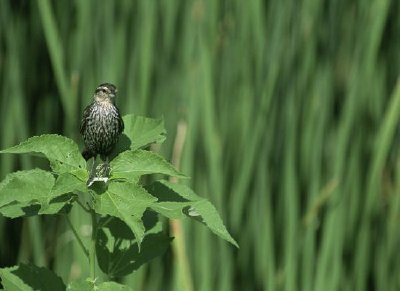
column 62, row 152
column 291, row 117
column 29, row 277
column 89, row 286
column 177, row 201
column 131, row 165
column 123, row 239
column 126, row 201
column 142, row 131
column 32, row 192
column 118, row 253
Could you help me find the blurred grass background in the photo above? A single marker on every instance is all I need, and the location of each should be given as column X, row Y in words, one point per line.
column 292, row 112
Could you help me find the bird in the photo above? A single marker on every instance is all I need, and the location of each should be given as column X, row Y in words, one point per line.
column 101, row 124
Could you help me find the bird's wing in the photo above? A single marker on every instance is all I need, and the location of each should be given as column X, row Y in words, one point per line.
column 121, row 125
column 84, row 119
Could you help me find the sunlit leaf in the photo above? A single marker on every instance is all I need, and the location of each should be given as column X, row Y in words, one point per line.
column 62, row 152
column 30, row 277
column 26, row 186
column 177, row 201
column 80, row 285
column 86, row 285
column 143, row 131
column 132, row 164
column 112, row 286
column 32, row 192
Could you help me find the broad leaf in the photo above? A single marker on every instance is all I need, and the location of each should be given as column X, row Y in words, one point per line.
column 30, row 277
column 26, row 186
column 113, row 286
column 126, row 201
column 60, row 204
column 177, row 201
column 33, row 192
column 143, row 131
column 80, row 285
column 89, row 286
column 117, row 252
column 132, row 164
column 66, row 183
column 62, row 152
column 120, row 229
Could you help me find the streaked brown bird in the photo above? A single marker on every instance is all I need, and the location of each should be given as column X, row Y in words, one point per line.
column 101, row 124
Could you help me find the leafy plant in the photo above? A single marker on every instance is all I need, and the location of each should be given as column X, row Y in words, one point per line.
column 126, row 231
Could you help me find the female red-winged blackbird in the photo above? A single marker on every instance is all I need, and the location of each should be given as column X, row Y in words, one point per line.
column 101, row 123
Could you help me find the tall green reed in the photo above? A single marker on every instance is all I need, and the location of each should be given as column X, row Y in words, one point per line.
column 291, row 110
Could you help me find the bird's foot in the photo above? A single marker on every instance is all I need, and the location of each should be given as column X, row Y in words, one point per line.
column 101, row 173
column 103, row 170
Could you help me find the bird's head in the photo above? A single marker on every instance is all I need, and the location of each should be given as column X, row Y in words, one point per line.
column 105, row 93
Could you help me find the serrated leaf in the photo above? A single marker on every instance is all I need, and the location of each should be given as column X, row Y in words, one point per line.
column 126, row 201
column 29, row 277
column 26, row 186
column 208, row 214
column 173, row 210
column 27, row 193
column 143, row 131
column 133, row 164
column 66, row 183
column 17, row 209
column 62, row 152
column 55, row 206
column 80, row 285
column 177, row 201
column 113, row 286
column 117, row 252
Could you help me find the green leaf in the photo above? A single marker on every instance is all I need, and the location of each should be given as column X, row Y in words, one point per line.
column 80, row 285
column 90, row 286
column 26, row 186
column 178, row 201
column 113, row 286
column 121, row 259
column 30, row 277
column 132, row 164
column 55, row 206
column 66, row 183
column 62, row 152
column 126, row 201
column 31, row 192
column 143, row 131
column 173, row 210
column 118, row 254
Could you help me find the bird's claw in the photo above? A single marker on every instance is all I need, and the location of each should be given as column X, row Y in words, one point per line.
column 101, row 174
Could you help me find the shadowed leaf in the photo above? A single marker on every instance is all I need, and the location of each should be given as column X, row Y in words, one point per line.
column 30, row 277
column 127, row 202
column 117, row 252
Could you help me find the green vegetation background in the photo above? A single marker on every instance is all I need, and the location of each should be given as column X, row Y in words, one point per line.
column 291, row 110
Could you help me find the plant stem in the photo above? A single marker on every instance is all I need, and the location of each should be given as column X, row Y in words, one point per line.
column 80, row 242
column 83, row 206
column 92, row 257
column 182, row 264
